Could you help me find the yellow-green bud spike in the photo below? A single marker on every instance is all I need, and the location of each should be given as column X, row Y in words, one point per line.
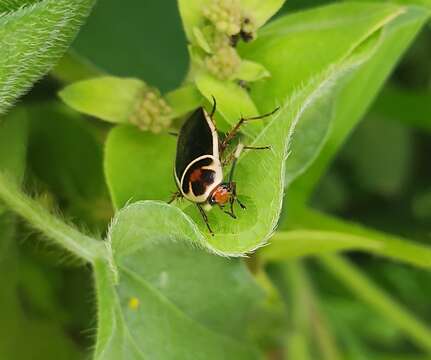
column 225, row 15
column 152, row 112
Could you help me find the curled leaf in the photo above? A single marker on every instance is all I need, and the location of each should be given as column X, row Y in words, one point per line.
column 170, row 308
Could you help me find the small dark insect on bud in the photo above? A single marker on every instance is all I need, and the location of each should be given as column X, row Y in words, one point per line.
column 234, row 39
column 244, row 84
column 247, row 29
column 246, row 36
column 246, row 33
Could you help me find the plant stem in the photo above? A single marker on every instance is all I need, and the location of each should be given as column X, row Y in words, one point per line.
column 305, row 312
column 298, row 337
column 313, row 233
column 378, row 299
column 73, row 67
column 79, row 244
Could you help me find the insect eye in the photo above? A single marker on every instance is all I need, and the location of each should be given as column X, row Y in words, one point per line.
column 212, row 200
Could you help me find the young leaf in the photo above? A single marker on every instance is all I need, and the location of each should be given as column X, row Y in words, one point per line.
column 191, row 15
column 353, row 98
column 32, row 39
column 251, row 71
column 108, row 98
column 183, row 100
column 73, row 67
column 128, row 155
column 170, row 308
column 233, row 102
column 259, row 11
column 361, row 28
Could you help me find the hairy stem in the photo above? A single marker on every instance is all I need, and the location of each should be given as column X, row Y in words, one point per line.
column 314, row 233
column 79, row 244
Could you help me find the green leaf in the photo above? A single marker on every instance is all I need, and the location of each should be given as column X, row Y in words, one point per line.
column 201, row 40
column 296, row 47
column 233, row 102
column 309, row 136
column 12, row 5
column 251, row 71
column 72, row 67
column 305, row 44
column 128, row 155
column 32, row 39
column 183, row 100
column 108, row 98
column 192, row 16
column 396, row 34
column 170, row 308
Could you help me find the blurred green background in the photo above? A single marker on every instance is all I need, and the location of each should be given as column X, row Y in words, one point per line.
column 381, row 178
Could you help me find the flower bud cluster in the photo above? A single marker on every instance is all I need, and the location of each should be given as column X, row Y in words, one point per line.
column 230, row 24
column 223, row 63
column 152, row 112
column 225, row 15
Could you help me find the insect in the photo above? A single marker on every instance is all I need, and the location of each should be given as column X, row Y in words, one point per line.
column 200, row 160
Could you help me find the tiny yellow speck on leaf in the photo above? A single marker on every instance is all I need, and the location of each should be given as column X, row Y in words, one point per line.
column 133, row 303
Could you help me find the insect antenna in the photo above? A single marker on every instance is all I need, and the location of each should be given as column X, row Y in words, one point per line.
column 236, row 128
column 261, row 116
column 213, row 110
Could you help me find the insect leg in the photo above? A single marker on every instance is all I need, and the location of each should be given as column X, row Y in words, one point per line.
column 231, row 213
column 205, row 218
column 231, row 134
column 175, row 196
column 235, row 157
column 213, row 110
column 268, row 147
column 235, row 197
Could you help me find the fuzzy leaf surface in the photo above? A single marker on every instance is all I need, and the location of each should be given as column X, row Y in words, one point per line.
column 32, row 39
column 170, row 307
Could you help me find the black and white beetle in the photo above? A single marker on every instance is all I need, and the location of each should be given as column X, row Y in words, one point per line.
column 200, row 160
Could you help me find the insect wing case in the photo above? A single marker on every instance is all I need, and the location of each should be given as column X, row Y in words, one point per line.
column 198, row 137
column 197, row 147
